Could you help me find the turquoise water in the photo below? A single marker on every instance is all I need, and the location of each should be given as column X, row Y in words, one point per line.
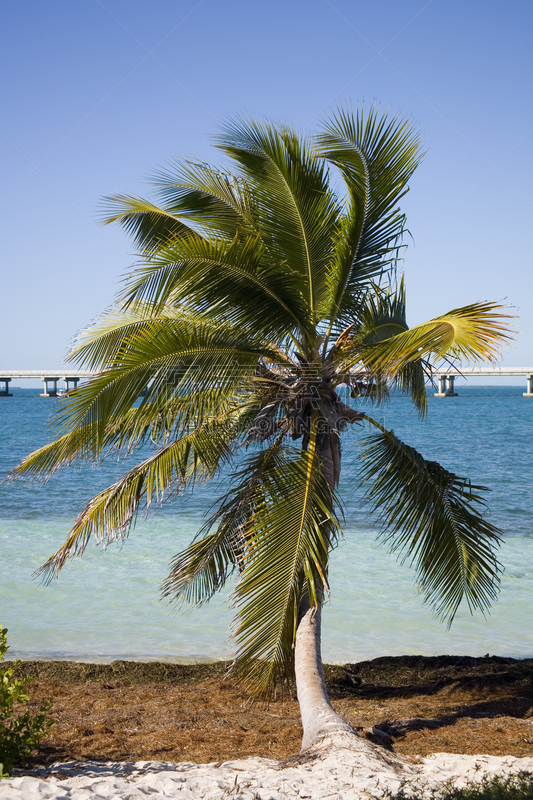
column 106, row 605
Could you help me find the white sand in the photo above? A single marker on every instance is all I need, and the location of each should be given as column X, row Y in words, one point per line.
column 342, row 775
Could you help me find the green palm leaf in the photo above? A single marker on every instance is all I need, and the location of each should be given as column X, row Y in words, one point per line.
column 79, row 443
column 376, row 157
column 202, row 568
column 110, row 513
column 383, row 317
column 475, row 332
column 216, row 202
column 98, row 346
column 237, row 281
column 433, row 518
column 171, row 357
column 288, row 542
column 149, row 226
column 297, row 212
column 147, row 423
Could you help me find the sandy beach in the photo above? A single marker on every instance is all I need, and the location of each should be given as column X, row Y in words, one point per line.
column 339, row 776
column 131, row 729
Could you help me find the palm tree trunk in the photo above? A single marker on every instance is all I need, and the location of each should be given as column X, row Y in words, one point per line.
column 325, row 731
column 319, row 719
column 322, row 726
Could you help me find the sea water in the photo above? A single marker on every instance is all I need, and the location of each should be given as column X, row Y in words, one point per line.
column 106, row 604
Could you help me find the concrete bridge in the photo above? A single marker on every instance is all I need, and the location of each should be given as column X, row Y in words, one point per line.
column 49, row 377
column 71, row 377
column 447, row 377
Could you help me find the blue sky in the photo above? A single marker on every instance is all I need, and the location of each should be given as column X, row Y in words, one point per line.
column 97, row 94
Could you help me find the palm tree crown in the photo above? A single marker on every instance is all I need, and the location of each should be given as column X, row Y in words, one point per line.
column 262, row 289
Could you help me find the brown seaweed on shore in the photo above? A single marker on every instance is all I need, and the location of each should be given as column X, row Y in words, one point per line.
column 414, row 705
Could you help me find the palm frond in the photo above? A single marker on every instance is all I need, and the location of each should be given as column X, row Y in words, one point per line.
column 297, row 211
column 202, row 568
column 216, row 202
column 383, row 317
column 376, row 156
column 149, row 226
column 473, row 333
column 384, row 313
column 102, row 344
column 288, row 541
column 97, row 346
column 79, row 443
column 411, row 380
column 145, row 423
column 237, row 281
column 170, row 357
column 109, row 515
column 433, row 518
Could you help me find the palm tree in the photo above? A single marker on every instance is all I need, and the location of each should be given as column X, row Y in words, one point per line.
column 265, row 297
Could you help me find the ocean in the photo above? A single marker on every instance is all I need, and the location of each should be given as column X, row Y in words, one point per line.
column 106, row 605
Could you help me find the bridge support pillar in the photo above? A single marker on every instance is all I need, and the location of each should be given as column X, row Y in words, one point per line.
column 449, row 390
column 529, row 392
column 68, row 381
column 446, row 386
column 442, row 386
column 49, row 391
column 5, row 391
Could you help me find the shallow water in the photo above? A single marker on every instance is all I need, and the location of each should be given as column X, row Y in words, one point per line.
column 106, row 604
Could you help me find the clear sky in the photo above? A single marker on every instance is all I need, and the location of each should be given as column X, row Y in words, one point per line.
column 96, row 94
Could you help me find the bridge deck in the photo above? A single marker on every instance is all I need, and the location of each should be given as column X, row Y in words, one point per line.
column 484, row 371
column 45, row 373
column 446, row 378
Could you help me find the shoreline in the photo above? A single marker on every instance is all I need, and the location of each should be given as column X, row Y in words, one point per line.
column 390, row 660
column 106, row 660
column 177, row 670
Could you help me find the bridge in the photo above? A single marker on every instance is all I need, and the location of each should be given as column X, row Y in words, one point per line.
column 49, row 377
column 446, row 378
